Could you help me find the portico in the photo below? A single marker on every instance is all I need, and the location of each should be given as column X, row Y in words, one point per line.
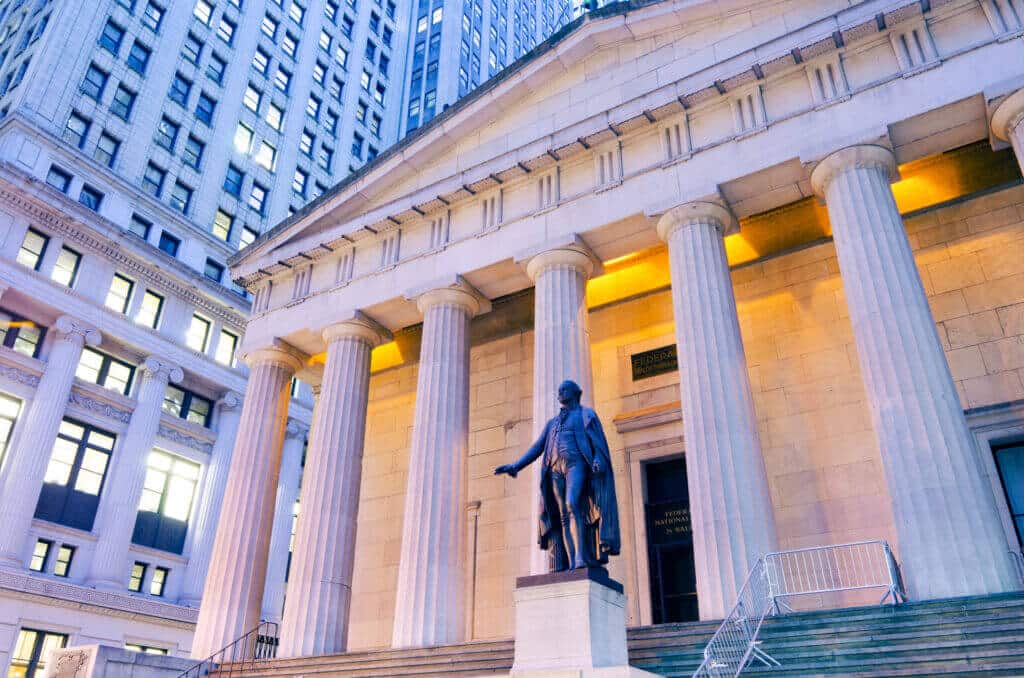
column 818, row 398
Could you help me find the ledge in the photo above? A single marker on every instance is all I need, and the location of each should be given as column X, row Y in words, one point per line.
column 648, row 417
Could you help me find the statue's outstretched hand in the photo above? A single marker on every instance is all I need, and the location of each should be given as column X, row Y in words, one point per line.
column 506, row 468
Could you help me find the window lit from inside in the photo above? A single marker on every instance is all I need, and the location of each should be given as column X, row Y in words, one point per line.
column 31, row 650
column 167, row 496
column 75, row 474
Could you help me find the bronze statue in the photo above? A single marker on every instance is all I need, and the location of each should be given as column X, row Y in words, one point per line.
column 579, row 519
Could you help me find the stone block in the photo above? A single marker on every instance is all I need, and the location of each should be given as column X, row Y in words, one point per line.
column 955, row 273
column 99, row 661
column 973, row 329
column 993, row 388
column 995, row 293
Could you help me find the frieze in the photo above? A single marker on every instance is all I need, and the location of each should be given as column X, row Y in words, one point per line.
column 74, row 595
column 103, row 409
column 31, row 208
column 185, row 439
column 19, row 376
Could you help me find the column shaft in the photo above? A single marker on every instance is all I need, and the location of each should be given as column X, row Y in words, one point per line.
column 561, row 350
column 950, row 540
column 120, row 504
column 1008, row 123
column 204, row 526
column 320, row 586
column 235, row 579
column 26, row 463
column 429, row 600
column 280, row 534
column 730, row 505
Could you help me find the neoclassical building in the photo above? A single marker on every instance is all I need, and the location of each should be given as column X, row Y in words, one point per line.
column 778, row 244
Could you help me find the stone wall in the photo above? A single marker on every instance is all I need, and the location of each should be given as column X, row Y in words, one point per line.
column 823, row 463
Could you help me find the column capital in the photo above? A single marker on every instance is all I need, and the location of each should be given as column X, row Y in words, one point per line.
column 230, row 401
column 358, row 326
column 458, row 293
column 581, row 260
column 295, row 429
column 279, row 353
column 853, row 157
column 696, row 213
column 1009, row 114
column 77, row 332
column 163, row 370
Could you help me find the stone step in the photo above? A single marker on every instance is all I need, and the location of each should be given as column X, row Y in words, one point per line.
column 912, row 625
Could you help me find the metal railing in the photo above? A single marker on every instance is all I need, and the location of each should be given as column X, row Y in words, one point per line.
column 780, row 576
column 257, row 645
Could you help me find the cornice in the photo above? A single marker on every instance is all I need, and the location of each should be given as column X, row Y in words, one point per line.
column 184, row 432
column 84, row 236
column 113, row 603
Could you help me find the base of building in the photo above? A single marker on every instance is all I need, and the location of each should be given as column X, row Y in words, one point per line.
column 571, row 625
column 102, row 661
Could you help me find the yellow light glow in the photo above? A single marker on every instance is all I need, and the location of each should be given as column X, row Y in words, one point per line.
column 386, row 356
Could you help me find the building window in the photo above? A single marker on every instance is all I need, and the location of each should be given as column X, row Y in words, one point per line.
column 306, row 142
column 136, row 577
column 233, row 181
column 193, row 49
column 33, row 247
column 158, row 581
column 248, row 237
column 357, row 146
column 180, row 89
column 106, row 150
column 95, row 82
column 90, row 197
column 169, row 243
column 10, row 408
column 215, row 68
column 258, row 198
column 138, row 57
column 252, row 98
column 269, row 26
column 198, row 337
column 111, row 37
column 140, row 226
column 62, row 565
column 150, row 310
column 187, row 405
column 282, row 80
column 299, row 181
column 104, row 370
column 166, row 133
column 123, row 102
column 192, row 155
column 181, row 197
column 1010, row 464
column 261, row 61
column 65, row 270
column 153, row 180
column 203, row 11
column 266, row 156
column 40, row 554
column 213, row 270
column 226, row 348
column 274, row 117
column 243, row 138
column 75, row 474
column 58, row 178
column 205, row 108
column 120, row 293
column 153, row 16
column 222, row 222
column 226, row 31
column 76, row 131
column 31, row 650
column 289, row 44
column 145, row 649
column 167, row 495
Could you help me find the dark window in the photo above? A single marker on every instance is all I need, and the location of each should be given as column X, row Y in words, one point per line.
column 213, row 270
column 140, row 226
column 95, row 82
column 106, row 150
column 58, row 178
column 205, row 108
column 181, row 197
column 180, row 88
column 153, row 180
column 170, row 486
column 124, row 101
column 138, row 57
column 31, row 650
column 110, row 38
column 77, row 129
column 193, row 48
column 74, row 477
column 169, row 243
column 233, row 181
column 90, row 197
column 215, row 68
column 1010, row 462
column 192, row 154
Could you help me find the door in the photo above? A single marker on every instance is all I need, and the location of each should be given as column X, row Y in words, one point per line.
column 670, row 542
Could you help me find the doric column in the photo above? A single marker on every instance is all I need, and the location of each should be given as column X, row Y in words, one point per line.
column 281, row 532
column 950, row 539
column 234, row 582
column 26, row 464
column 730, row 506
column 429, row 600
column 1008, row 123
column 320, row 584
column 561, row 350
column 204, row 526
column 120, row 503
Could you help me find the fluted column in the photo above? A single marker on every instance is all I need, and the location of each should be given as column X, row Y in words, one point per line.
column 26, row 463
column 429, row 600
column 730, row 506
column 950, row 539
column 234, row 581
column 116, row 519
column 281, row 533
column 561, row 350
column 320, row 584
column 1008, row 123
column 204, row 525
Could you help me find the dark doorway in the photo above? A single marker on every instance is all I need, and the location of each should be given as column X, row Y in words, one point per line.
column 670, row 542
column 1010, row 461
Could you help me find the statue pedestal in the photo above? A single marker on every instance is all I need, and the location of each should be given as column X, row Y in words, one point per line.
column 571, row 625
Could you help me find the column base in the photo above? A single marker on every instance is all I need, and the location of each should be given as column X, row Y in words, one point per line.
column 571, row 625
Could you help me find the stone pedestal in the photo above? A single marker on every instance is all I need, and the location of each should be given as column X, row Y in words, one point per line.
column 571, row 624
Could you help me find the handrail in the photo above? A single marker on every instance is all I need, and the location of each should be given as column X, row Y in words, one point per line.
column 256, row 645
column 782, row 575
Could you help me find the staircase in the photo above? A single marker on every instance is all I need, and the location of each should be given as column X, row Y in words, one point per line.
column 978, row 636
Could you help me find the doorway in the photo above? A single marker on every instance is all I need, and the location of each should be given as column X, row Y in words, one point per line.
column 669, row 542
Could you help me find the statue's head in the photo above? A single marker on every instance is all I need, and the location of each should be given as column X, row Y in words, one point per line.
column 569, row 393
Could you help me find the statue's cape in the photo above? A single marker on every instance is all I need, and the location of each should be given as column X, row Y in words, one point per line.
column 603, row 507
